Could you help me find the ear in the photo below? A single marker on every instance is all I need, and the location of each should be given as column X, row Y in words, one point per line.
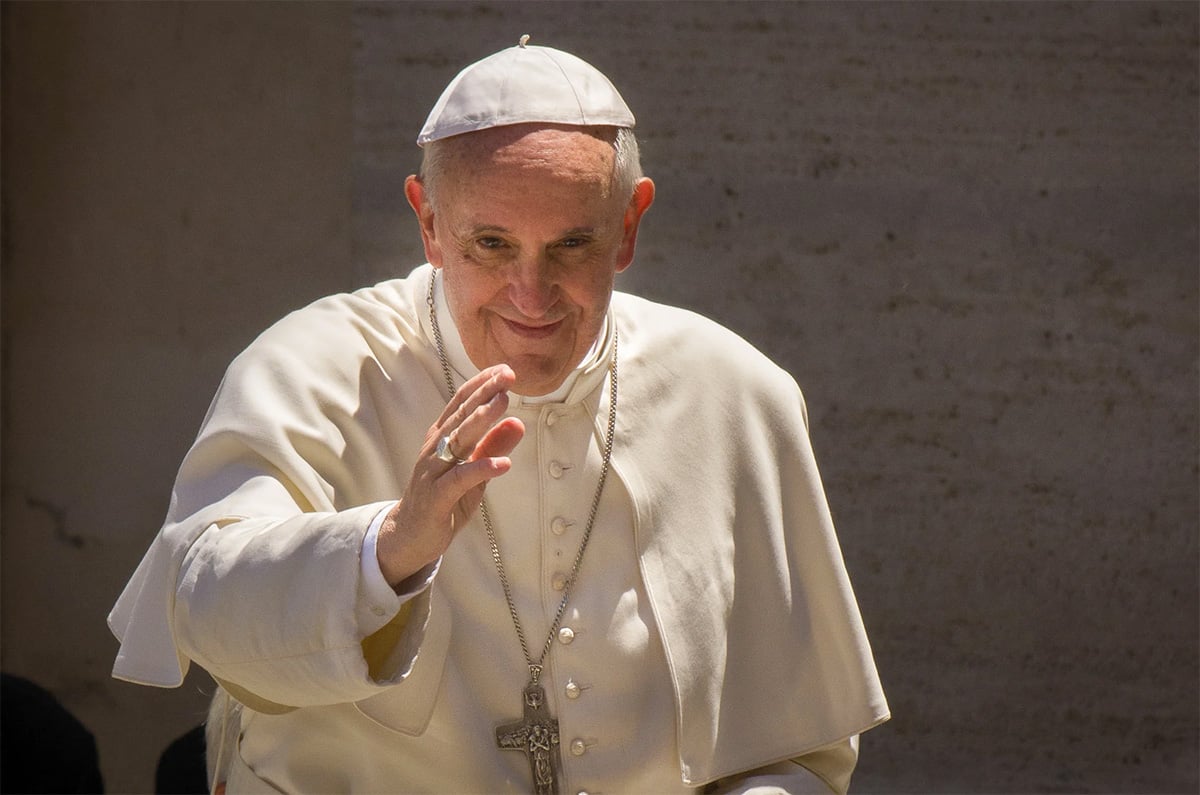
column 643, row 197
column 418, row 199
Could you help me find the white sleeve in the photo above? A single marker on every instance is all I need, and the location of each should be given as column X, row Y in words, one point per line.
column 378, row 603
column 274, row 606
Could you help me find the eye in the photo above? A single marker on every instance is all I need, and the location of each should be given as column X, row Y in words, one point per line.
column 577, row 241
column 487, row 249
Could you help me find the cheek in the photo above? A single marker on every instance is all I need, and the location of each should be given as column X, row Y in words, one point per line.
column 593, row 292
column 469, row 287
column 465, row 299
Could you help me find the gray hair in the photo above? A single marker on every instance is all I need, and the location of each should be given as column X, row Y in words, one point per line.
column 627, row 165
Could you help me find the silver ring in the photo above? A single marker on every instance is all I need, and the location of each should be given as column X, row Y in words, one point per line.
column 444, row 453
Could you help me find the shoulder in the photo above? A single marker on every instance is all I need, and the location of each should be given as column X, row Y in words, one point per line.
column 384, row 311
column 686, row 346
column 342, row 350
column 337, row 332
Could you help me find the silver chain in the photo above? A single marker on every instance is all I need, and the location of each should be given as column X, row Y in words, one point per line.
column 535, row 667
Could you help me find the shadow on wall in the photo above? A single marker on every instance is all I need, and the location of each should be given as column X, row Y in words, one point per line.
column 44, row 747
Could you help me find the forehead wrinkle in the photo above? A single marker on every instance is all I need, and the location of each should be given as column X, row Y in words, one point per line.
column 571, row 164
column 572, row 153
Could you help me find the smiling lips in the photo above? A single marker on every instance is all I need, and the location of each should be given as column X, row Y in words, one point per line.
column 538, row 332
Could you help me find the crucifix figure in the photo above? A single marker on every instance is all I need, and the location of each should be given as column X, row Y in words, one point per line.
column 537, row 735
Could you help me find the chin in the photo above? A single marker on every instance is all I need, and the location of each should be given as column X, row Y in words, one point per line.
column 537, row 381
column 535, row 387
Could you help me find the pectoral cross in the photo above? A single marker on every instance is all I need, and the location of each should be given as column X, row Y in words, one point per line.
column 537, row 735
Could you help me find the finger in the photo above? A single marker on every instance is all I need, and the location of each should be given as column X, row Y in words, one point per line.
column 474, row 408
column 461, row 440
column 461, row 486
column 485, row 404
column 474, row 427
column 459, row 482
column 491, row 459
column 475, row 392
column 501, row 439
column 465, row 403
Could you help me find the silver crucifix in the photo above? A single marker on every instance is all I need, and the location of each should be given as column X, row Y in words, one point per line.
column 537, row 735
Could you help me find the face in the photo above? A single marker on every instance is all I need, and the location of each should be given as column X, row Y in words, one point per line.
column 529, row 235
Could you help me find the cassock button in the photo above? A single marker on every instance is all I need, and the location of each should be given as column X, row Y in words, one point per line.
column 556, row 470
column 566, row 635
column 551, row 418
column 559, row 526
column 573, row 689
column 578, row 747
column 558, row 581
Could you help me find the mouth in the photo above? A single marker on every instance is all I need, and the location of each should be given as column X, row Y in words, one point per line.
column 536, row 331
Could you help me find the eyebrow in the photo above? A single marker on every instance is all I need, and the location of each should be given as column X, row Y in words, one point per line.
column 474, row 230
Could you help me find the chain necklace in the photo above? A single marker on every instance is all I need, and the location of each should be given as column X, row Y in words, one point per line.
column 537, row 732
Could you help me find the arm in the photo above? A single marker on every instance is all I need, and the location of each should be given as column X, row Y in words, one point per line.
column 262, row 603
column 271, row 607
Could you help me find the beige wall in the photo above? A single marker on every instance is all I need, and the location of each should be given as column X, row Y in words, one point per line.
column 174, row 179
column 970, row 231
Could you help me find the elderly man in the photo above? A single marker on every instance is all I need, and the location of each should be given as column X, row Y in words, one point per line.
column 494, row 527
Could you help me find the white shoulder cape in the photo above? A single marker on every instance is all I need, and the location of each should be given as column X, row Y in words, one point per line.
column 761, row 629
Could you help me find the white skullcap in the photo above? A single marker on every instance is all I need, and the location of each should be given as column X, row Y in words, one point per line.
column 525, row 84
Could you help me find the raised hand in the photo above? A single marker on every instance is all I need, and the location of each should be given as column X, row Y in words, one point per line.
column 442, row 496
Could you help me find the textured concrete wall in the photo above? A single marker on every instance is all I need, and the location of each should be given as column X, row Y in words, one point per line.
column 968, row 229
column 174, row 179
column 970, row 232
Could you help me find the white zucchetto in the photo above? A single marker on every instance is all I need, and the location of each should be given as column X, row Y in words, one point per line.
column 525, row 84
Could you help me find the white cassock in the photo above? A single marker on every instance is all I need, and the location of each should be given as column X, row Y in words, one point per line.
column 711, row 631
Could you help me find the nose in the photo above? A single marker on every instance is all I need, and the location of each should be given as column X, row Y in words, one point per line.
column 531, row 286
